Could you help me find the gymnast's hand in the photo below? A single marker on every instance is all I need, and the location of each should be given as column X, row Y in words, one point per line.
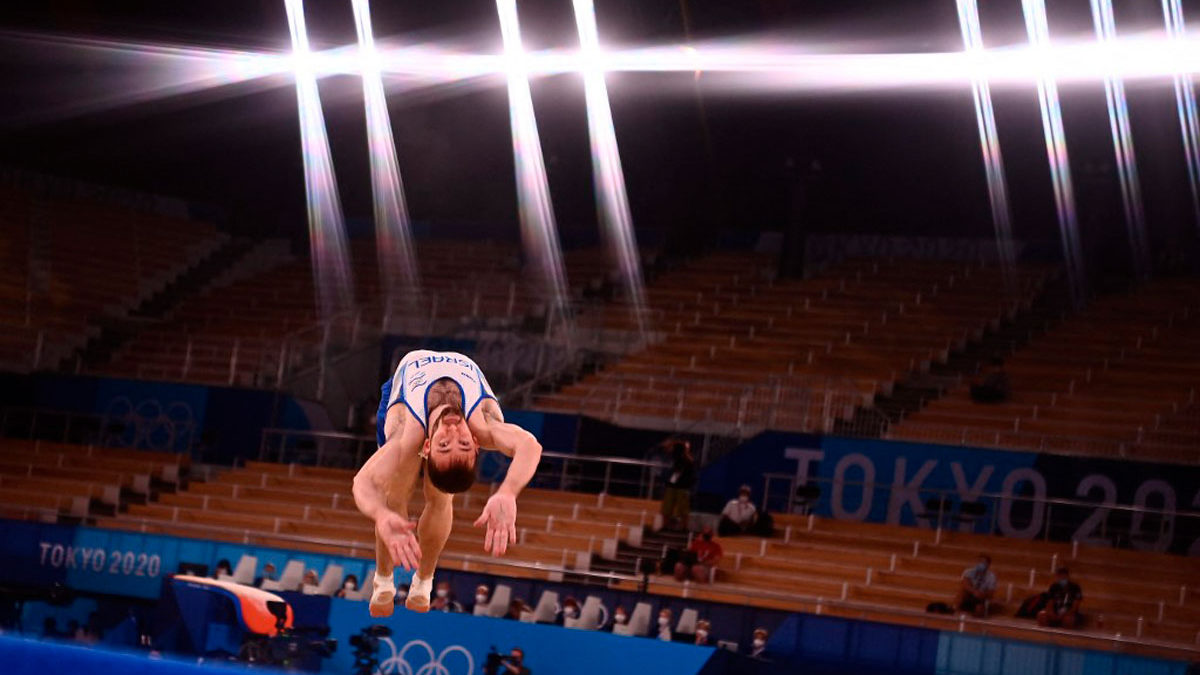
column 398, row 537
column 500, row 517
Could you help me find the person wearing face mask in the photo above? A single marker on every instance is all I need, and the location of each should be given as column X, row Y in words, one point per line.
column 1062, row 602
column 679, row 478
column 570, row 611
column 740, row 517
column 350, row 583
column 703, row 628
column 620, row 617
column 700, row 559
column 977, row 587
column 664, row 625
column 482, row 593
column 443, row 599
column 758, row 647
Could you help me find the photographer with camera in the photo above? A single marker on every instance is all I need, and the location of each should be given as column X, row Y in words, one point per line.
column 512, row 664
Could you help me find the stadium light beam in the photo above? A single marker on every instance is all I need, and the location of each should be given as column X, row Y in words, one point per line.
column 538, row 231
column 398, row 272
column 1056, row 150
column 612, row 202
column 327, row 234
column 989, row 139
column 1118, row 120
column 1185, row 103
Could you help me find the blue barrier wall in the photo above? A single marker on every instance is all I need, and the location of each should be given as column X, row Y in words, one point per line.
column 460, row 643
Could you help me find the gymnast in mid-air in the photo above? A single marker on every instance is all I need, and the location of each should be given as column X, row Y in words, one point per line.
column 436, row 412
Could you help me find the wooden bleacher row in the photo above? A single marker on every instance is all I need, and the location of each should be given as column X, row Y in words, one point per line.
column 67, row 262
column 861, row 327
column 68, row 478
column 311, row 509
column 1103, row 383
column 256, row 317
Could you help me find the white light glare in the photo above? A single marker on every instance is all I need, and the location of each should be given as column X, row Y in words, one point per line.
column 538, row 231
column 327, row 236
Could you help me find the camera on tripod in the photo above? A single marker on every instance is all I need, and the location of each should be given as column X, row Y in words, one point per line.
column 366, row 648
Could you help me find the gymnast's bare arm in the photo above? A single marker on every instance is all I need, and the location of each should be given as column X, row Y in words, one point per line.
column 371, row 484
column 500, row 513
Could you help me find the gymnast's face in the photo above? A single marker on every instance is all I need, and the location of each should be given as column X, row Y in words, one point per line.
column 450, row 440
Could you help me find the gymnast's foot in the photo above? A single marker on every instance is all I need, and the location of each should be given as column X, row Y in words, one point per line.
column 418, row 594
column 383, row 598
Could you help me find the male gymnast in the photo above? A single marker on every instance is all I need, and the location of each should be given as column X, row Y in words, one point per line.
column 435, row 413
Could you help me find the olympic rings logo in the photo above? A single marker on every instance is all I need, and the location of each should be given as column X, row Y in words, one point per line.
column 433, row 664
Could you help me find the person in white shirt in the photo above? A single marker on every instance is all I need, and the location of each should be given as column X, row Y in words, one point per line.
column 740, row 517
column 978, row 586
column 435, row 415
column 664, row 625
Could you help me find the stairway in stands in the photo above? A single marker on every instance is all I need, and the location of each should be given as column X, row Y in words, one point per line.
column 918, row 389
column 116, row 331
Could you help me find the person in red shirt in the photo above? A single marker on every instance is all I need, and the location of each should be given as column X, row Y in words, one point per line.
column 701, row 558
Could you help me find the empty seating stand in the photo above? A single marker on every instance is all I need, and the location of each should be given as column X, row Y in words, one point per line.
column 737, row 349
column 67, row 262
column 44, row 481
column 1119, row 379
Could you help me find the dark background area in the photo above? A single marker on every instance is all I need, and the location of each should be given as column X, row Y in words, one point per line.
column 701, row 156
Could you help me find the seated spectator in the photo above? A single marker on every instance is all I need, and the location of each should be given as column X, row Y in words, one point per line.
column 758, row 646
column 268, row 572
column 311, row 578
column 1062, row 602
column 664, row 624
column 443, row 600
column 740, row 517
column 620, row 617
column 992, row 385
column 482, row 594
column 700, row 559
column 223, row 567
column 516, row 608
column 703, row 627
column 349, row 584
column 570, row 610
column 977, row 587
column 50, row 628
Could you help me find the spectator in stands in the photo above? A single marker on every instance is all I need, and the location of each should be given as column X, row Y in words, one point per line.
column 664, row 624
column 700, row 559
column 681, row 476
column 977, row 587
column 50, row 628
column 620, row 617
column 992, row 385
column 443, row 600
column 268, row 572
column 740, row 517
column 349, row 584
column 570, row 609
column 1062, row 602
column 516, row 608
column 703, row 627
column 758, row 646
column 311, row 578
column 223, row 567
column 482, row 593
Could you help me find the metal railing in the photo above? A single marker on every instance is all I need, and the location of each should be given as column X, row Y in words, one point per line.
column 1060, row 444
column 620, row 476
column 1136, row 526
